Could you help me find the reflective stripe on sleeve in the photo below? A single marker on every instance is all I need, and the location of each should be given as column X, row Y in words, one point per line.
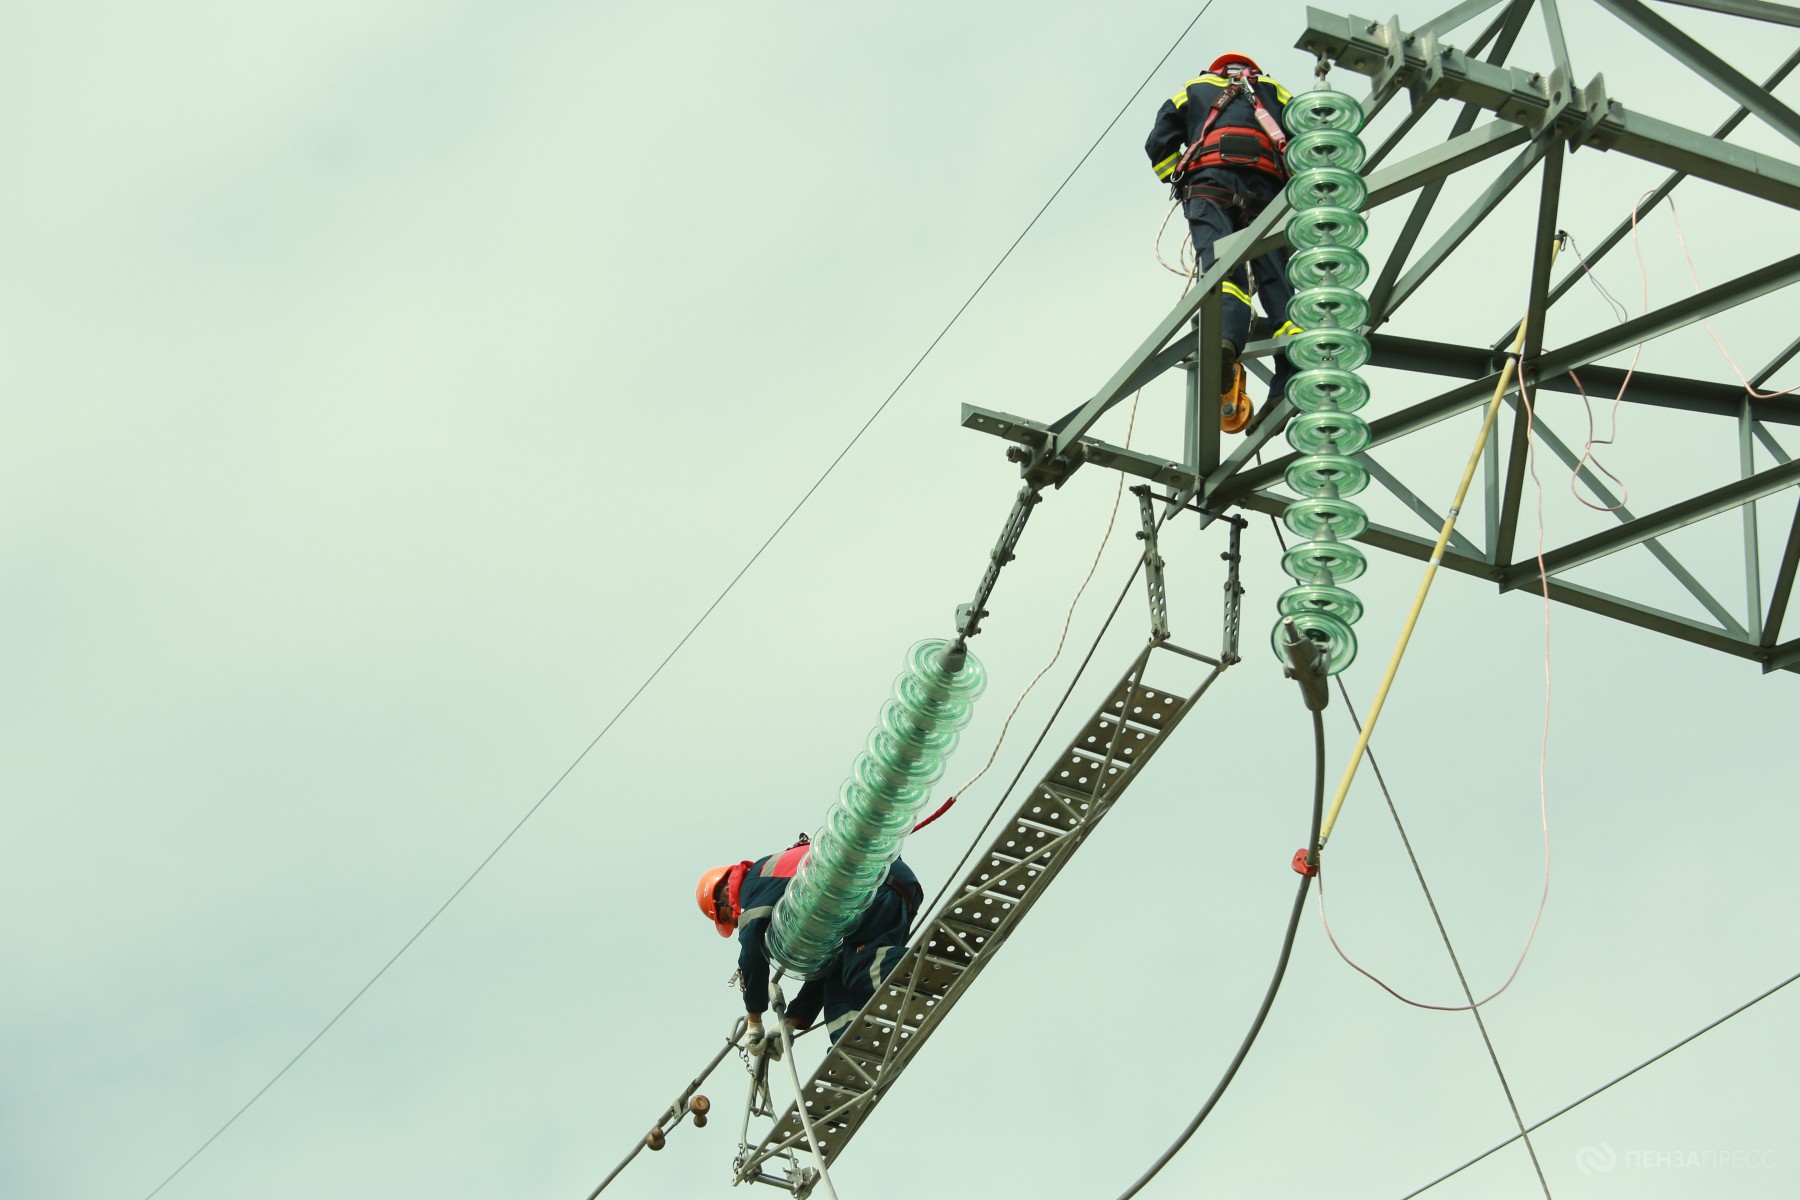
column 1287, row 328
column 753, row 914
column 1166, row 167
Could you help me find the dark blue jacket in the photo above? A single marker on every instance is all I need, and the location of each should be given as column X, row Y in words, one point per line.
column 887, row 921
column 1181, row 117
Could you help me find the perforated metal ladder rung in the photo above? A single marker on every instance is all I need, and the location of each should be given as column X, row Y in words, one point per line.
column 1025, row 854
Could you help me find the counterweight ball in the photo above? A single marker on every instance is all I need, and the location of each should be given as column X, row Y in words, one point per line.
column 655, row 1139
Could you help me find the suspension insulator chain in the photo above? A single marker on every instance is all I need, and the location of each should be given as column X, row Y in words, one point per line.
column 1325, row 229
column 889, row 783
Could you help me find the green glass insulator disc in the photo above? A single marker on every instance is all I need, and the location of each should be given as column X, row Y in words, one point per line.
column 1325, row 518
column 1324, row 108
column 1326, row 148
column 929, row 705
column 892, row 791
column 1328, row 433
column 901, row 761
column 1328, row 346
column 1326, row 475
column 924, row 739
column 1327, row 389
column 1325, row 630
column 879, row 812
column 1327, row 186
column 1306, row 561
column 1317, row 597
column 1327, row 225
column 922, row 663
column 1338, row 306
column 1327, row 266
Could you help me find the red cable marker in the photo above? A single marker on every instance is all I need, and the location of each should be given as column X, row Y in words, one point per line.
column 1303, row 864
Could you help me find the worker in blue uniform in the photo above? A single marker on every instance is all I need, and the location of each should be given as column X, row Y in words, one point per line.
column 1218, row 143
column 741, row 898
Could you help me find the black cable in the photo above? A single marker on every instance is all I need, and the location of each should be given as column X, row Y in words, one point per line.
column 856, row 437
column 1287, row 948
column 1443, row 931
column 1621, row 1079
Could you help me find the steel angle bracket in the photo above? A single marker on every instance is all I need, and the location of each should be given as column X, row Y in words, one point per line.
column 1153, row 567
column 968, row 616
column 1234, row 592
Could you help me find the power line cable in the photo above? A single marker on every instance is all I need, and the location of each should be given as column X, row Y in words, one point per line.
column 1603, row 1087
column 1287, row 949
column 651, row 678
column 1431, row 902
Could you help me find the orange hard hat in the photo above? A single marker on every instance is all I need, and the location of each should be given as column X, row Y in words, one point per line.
column 715, row 887
column 1225, row 60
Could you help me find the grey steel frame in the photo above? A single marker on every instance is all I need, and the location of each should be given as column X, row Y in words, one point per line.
column 1536, row 116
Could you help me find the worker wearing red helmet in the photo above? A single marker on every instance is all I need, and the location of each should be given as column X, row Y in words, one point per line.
column 740, row 898
column 1218, row 143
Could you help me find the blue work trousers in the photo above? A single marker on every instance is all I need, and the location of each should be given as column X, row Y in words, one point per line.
column 869, row 955
column 1207, row 223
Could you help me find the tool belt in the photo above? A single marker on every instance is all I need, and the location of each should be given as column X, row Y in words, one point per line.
column 1240, row 208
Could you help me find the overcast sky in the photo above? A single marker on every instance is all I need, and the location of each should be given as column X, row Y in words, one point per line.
column 388, row 387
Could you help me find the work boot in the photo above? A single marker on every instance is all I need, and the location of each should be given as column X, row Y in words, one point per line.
column 1228, row 367
column 1235, row 409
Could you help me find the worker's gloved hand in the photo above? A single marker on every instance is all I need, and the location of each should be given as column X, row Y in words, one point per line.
column 756, row 1041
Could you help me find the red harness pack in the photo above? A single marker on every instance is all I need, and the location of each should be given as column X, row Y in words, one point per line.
column 1259, row 147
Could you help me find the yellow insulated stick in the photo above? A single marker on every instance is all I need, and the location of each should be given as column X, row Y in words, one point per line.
column 1431, row 567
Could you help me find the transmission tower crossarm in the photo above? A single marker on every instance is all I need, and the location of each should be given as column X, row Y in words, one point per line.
column 1583, row 115
column 1708, row 66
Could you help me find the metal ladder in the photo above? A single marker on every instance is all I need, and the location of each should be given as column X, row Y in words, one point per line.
column 1086, row 780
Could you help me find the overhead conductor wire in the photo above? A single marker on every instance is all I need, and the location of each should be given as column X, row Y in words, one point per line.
column 678, row 1110
column 1473, row 1007
column 759, row 552
column 1603, row 1087
column 1366, row 731
column 1281, row 963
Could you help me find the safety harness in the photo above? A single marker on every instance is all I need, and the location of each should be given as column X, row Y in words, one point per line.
column 1259, row 147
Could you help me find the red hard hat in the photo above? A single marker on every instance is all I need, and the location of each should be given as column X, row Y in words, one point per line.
column 708, row 895
column 1225, row 60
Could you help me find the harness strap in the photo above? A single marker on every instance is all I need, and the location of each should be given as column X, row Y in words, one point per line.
column 1240, row 208
column 1267, row 129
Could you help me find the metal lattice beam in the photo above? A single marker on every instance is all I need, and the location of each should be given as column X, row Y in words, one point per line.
column 1538, row 118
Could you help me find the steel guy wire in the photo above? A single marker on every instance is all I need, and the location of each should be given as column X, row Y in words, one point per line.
column 1567, row 1108
column 1473, row 1008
